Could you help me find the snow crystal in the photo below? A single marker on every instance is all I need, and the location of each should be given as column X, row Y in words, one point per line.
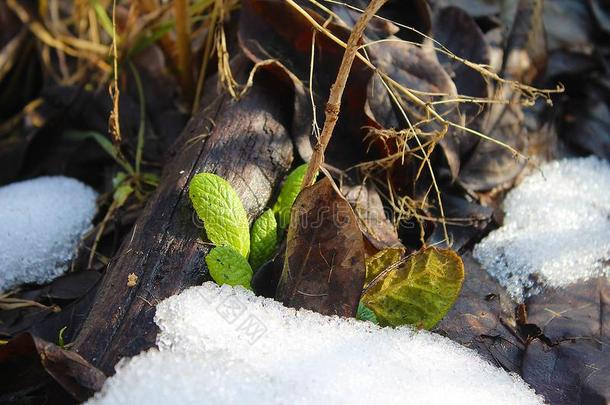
column 556, row 229
column 41, row 223
column 224, row 345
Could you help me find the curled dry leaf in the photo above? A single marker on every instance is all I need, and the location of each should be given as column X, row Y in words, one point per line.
column 324, row 264
column 419, row 291
column 378, row 230
column 65, row 376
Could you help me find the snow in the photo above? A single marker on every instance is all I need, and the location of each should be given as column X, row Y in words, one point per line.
column 556, row 229
column 224, row 345
column 41, row 223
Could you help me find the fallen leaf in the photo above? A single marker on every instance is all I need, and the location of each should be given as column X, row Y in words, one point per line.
column 378, row 230
column 29, row 364
column 570, row 362
column 467, row 222
column 475, row 8
column 587, row 121
column 365, row 314
column 575, row 32
column 324, row 265
column 415, row 68
column 470, row 45
column 380, row 262
column 525, row 54
column 483, row 319
column 70, row 286
column 492, row 165
column 419, row 291
column 410, row 13
column 601, row 11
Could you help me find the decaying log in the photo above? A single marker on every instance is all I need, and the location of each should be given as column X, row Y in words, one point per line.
column 245, row 142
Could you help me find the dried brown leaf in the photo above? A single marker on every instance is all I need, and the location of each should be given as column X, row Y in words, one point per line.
column 324, row 265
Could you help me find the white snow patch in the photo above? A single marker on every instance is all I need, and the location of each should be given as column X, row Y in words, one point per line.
column 224, row 345
column 556, row 230
column 41, row 223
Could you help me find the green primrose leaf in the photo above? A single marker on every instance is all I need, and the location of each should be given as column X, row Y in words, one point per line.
column 263, row 239
column 365, row 314
column 228, row 266
column 381, row 261
column 419, row 291
column 223, row 215
column 288, row 194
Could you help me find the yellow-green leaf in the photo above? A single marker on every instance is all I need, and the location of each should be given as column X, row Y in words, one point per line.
column 288, row 194
column 227, row 266
column 121, row 194
column 263, row 239
column 223, row 215
column 365, row 314
column 380, row 261
column 418, row 292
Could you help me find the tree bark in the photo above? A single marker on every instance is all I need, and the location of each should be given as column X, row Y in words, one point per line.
column 245, row 142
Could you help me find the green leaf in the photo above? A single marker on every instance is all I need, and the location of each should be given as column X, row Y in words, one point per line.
column 380, row 261
column 146, row 39
column 121, row 193
column 227, row 266
column 365, row 314
column 263, row 239
column 418, row 292
column 118, row 179
column 60, row 337
column 151, row 179
column 102, row 17
column 223, row 215
column 288, row 194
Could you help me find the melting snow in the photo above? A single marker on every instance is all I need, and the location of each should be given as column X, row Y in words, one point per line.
column 556, row 229
column 41, row 223
column 223, row 345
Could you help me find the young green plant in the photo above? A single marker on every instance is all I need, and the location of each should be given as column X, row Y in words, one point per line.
column 238, row 251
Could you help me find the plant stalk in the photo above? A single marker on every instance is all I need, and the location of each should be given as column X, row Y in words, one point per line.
column 333, row 105
column 183, row 45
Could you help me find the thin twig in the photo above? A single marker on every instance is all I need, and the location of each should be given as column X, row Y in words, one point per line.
column 333, row 106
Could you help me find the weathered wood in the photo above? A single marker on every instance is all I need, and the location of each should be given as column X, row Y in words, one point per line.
column 245, row 142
